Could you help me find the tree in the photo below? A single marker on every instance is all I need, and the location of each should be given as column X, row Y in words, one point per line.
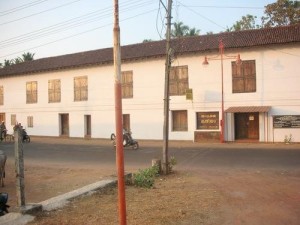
column 7, row 62
column 280, row 13
column 147, row 40
column 17, row 60
column 25, row 57
column 246, row 23
column 193, row 32
column 181, row 30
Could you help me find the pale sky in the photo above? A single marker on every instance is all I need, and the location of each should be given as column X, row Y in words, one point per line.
column 57, row 27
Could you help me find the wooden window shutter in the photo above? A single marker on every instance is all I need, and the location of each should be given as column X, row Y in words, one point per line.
column 80, row 88
column 180, row 122
column 250, row 76
column 127, row 84
column 178, row 80
column 244, row 77
column 1, row 95
column 31, row 92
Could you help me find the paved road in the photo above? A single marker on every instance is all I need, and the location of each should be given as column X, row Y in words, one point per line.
column 189, row 155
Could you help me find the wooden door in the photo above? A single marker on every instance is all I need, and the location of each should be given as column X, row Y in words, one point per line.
column 253, row 126
column 2, row 117
column 64, row 124
column 240, row 125
column 246, row 125
column 87, row 125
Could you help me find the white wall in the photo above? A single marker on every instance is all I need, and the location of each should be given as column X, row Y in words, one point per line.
column 277, row 86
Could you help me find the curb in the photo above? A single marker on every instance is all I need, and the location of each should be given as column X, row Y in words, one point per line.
column 57, row 202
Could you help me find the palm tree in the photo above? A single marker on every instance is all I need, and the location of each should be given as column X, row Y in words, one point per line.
column 27, row 56
column 17, row 60
column 7, row 62
column 193, row 32
column 179, row 30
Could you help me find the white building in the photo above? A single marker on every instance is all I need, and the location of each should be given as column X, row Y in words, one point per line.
column 73, row 95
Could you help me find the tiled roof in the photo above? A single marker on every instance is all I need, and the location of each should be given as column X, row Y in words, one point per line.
column 203, row 43
column 248, row 109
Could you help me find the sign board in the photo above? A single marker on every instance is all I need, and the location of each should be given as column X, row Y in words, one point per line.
column 189, row 94
column 287, row 121
column 207, row 120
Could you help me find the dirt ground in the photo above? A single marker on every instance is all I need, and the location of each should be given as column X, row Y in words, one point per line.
column 184, row 197
column 210, row 196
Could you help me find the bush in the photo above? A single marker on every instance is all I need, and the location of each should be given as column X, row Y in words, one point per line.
column 146, row 177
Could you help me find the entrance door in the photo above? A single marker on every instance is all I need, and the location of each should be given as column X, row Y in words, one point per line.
column 2, row 117
column 64, row 124
column 246, row 126
column 87, row 126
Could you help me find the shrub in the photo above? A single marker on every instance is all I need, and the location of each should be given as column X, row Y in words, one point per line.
column 146, row 177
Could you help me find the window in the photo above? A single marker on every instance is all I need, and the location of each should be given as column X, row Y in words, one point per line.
column 127, row 84
column 1, row 95
column 179, row 120
column 54, row 91
column 13, row 119
column 29, row 121
column 81, row 88
column 244, row 77
column 31, row 92
column 179, row 80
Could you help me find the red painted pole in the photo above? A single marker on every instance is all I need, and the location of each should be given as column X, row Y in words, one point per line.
column 118, row 118
column 221, row 49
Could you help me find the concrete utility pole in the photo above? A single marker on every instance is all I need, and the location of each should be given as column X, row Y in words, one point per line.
column 118, row 117
column 19, row 166
column 165, row 164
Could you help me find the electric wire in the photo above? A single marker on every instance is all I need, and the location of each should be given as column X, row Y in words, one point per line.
column 77, row 34
column 69, row 24
column 21, row 7
column 34, row 14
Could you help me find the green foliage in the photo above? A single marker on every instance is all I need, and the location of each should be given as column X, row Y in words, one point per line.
column 172, row 163
column 146, row 177
column 181, row 30
column 281, row 13
column 25, row 57
column 288, row 139
column 246, row 23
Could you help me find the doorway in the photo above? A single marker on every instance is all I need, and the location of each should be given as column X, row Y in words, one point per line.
column 87, row 126
column 126, row 122
column 2, row 117
column 64, row 124
column 246, row 126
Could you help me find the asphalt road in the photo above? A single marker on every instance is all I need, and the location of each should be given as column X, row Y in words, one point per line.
column 188, row 155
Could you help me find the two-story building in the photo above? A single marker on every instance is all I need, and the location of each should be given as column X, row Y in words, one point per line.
column 256, row 98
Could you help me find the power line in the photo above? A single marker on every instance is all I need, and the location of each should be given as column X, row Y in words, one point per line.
column 34, row 14
column 69, row 24
column 188, row 7
column 71, row 36
column 18, row 8
column 224, row 7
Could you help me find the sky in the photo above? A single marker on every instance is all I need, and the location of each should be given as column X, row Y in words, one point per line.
column 57, row 27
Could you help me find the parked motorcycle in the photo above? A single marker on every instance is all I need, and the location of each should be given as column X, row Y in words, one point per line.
column 3, row 206
column 128, row 141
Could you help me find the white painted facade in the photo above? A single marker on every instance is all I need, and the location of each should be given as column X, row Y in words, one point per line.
column 277, row 85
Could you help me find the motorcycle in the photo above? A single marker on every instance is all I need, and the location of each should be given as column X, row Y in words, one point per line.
column 25, row 136
column 3, row 205
column 128, row 141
